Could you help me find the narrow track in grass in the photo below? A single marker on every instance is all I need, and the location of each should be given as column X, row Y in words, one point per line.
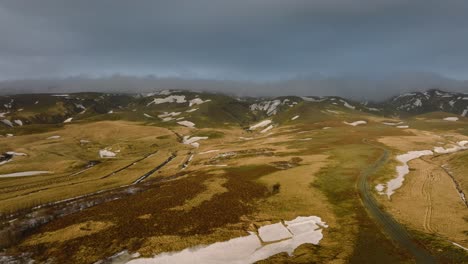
column 391, row 227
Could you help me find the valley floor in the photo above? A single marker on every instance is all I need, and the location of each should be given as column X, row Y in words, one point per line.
column 162, row 193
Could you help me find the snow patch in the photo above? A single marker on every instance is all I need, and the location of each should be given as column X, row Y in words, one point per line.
column 461, row 145
column 208, row 151
column 7, row 122
column 273, row 232
column 166, row 114
column 356, row 123
column 170, row 99
column 53, row 137
column 464, row 112
column 294, row 118
column 18, row 122
column 267, row 129
column 23, row 174
column 192, row 140
column 391, row 123
column 197, row 101
column 452, row 118
column 186, row 123
column 403, row 170
column 104, row 153
column 68, row 120
column 249, row 249
column 263, row 123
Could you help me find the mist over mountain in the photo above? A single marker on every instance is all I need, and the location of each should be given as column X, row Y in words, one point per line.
column 378, row 87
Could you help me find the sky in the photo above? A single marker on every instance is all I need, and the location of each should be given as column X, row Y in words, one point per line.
column 242, row 41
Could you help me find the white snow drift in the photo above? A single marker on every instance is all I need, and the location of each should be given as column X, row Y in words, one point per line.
column 104, row 153
column 263, row 123
column 451, row 118
column 403, row 170
column 193, row 141
column 170, row 99
column 356, row 123
column 249, row 249
column 186, row 123
column 197, row 101
column 461, row 145
column 23, row 174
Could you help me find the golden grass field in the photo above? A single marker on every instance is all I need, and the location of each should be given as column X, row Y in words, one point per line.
column 228, row 188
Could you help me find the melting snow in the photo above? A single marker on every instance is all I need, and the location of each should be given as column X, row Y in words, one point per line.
column 464, row 112
column 461, row 145
column 356, row 123
column 346, row 104
column 24, row 173
column 146, row 115
column 417, row 102
column 403, row 170
column 104, row 153
column 391, row 124
column 260, row 124
column 197, row 101
column 208, row 151
column 294, row 118
column 380, row 188
column 193, row 140
column 191, row 110
column 402, row 126
column 249, row 249
column 273, row 232
column 309, row 99
column 170, row 99
column 270, row 107
column 186, row 123
column 53, row 137
column 267, row 129
column 7, row 122
column 451, row 119
column 166, row 114
column 68, row 120
column 18, row 122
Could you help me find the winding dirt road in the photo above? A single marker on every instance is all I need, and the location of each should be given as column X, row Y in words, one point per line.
column 390, row 226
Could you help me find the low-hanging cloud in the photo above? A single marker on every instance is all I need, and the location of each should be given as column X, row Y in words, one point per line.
column 274, row 42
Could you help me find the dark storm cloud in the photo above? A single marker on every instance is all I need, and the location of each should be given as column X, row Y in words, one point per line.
column 237, row 40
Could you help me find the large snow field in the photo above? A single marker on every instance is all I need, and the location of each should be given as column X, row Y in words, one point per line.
column 249, row 249
column 403, row 170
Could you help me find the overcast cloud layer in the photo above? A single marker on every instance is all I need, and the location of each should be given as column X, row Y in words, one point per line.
column 259, row 40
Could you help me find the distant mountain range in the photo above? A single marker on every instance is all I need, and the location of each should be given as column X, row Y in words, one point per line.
column 169, row 107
